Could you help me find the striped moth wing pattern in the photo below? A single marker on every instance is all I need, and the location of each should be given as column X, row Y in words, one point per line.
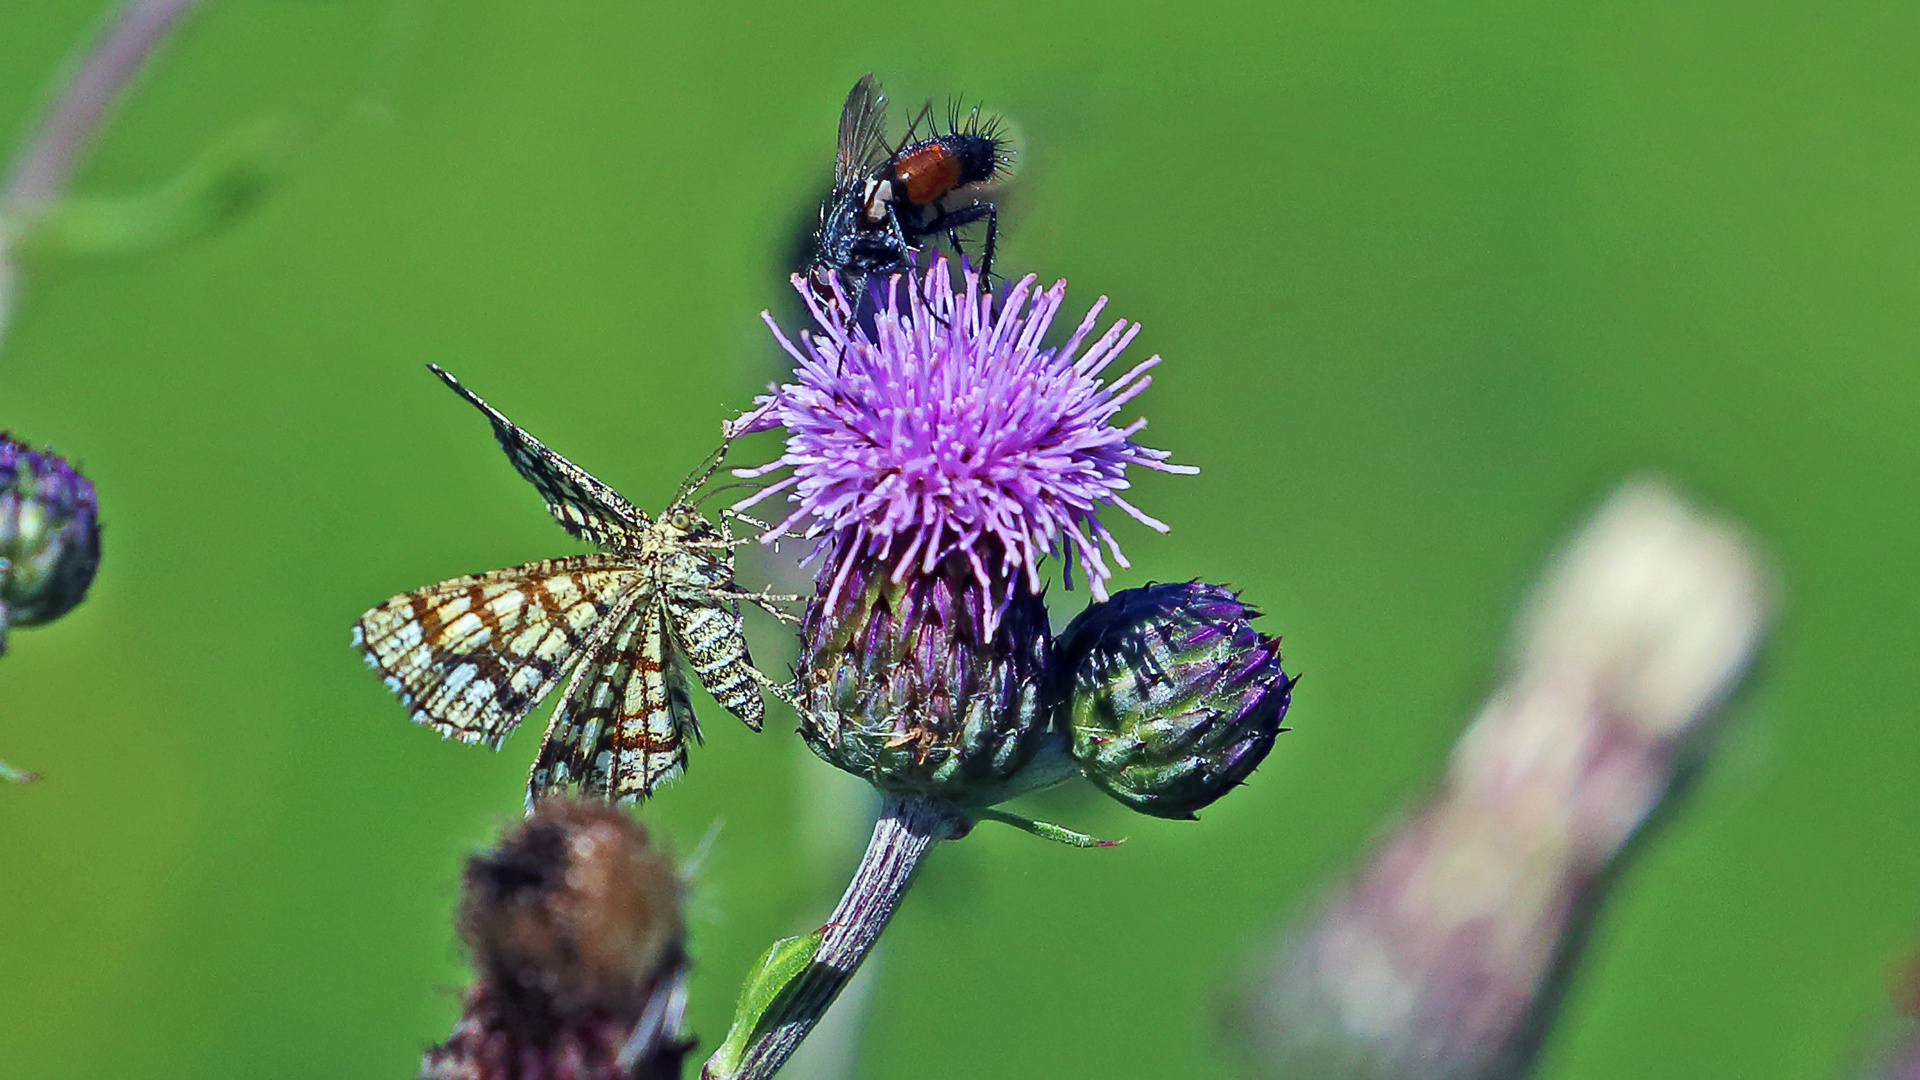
column 472, row 656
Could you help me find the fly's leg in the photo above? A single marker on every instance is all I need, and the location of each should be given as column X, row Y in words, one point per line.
column 993, row 236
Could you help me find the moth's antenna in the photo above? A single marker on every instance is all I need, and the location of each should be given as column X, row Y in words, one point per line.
column 702, row 472
column 752, row 485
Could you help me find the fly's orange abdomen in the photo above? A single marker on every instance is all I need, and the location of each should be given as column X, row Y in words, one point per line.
column 926, row 172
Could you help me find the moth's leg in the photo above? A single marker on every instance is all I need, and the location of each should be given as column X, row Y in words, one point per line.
column 765, row 601
column 727, row 544
column 738, row 516
column 782, row 690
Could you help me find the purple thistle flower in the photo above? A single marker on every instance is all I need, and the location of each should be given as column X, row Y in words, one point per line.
column 950, row 429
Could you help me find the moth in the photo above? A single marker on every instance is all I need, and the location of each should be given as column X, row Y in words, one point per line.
column 472, row 656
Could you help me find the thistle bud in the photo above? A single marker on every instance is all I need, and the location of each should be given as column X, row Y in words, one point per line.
column 49, row 536
column 574, row 924
column 916, row 686
column 1171, row 697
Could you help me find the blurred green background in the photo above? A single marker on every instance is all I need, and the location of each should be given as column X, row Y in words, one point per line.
column 1429, row 278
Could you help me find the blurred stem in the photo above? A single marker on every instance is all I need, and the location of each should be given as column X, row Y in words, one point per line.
column 68, row 128
column 905, row 832
column 44, row 165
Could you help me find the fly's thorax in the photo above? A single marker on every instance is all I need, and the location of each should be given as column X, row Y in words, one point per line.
column 860, row 234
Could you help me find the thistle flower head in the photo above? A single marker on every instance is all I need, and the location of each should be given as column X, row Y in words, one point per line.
column 49, row 535
column 950, row 429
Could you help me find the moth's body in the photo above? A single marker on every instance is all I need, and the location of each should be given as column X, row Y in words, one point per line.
column 472, row 656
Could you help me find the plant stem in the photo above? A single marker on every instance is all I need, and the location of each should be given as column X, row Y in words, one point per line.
column 43, row 166
column 63, row 134
column 907, row 829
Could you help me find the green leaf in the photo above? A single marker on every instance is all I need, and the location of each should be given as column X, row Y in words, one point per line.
column 224, row 182
column 1046, row 830
column 778, row 967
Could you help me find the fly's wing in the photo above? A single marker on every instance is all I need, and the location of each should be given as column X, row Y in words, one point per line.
column 622, row 733
column 581, row 504
column 473, row 655
column 714, row 638
column 863, row 133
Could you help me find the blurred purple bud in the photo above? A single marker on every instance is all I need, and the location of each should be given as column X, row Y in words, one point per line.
column 1897, row 1056
column 49, row 536
column 1900, row 1059
column 1442, row 957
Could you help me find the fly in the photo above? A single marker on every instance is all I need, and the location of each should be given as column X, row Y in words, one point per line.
column 886, row 202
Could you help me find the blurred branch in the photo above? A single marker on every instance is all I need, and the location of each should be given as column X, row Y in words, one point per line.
column 1443, row 956
column 42, row 168
column 63, row 135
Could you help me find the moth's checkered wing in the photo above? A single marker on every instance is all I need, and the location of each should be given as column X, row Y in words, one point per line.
column 714, row 638
column 581, row 504
column 473, row 655
column 622, row 731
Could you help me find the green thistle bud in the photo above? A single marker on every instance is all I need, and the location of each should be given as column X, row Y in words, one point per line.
column 928, row 686
column 49, row 536
column 1171, row 696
